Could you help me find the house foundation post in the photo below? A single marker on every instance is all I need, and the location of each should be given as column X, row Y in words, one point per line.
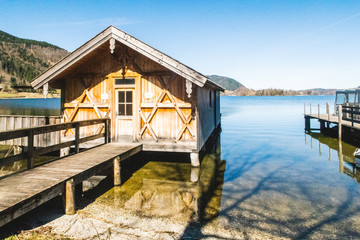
column 117, row 176
column 70, row 206
column 195, row 160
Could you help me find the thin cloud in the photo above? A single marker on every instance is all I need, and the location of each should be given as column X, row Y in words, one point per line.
column 331, row 25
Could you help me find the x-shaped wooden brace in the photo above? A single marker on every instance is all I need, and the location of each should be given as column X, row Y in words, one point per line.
column 148, row 119
column 186, row 120
column 185, row 126
column 81, row 99
column 147, row 123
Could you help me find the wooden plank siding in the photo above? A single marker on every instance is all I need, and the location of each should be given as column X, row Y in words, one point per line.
column 208, row 113
column 11, row 122
column 96, row 75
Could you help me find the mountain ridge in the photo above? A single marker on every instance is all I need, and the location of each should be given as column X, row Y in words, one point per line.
column 21, row 60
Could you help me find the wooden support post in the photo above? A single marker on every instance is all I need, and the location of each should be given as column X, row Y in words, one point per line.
column 307, row 124
column 106, row 131
column 70, row 206
column 195, row 161
column 117, row 169
column 340, row 122
column 328, row 110
column 341, row 158
column 30, row 154
column 318, row 110
column 77, row 138
column 322, row 126
column 195, row 174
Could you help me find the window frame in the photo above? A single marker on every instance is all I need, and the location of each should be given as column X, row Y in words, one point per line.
column 125, row 103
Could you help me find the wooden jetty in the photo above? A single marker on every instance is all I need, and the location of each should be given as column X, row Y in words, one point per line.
column 23, row 191
column 344, row 117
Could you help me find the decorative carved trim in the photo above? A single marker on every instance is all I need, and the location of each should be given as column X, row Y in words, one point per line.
column 112, row 45
column 188, row 88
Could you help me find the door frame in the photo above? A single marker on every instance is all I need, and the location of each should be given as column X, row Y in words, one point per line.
column 124, row 117
column 136, row 100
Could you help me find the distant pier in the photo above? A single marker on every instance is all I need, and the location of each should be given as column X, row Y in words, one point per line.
column 346, row 119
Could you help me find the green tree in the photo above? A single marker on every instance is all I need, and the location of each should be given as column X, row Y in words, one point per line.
column 13, row 81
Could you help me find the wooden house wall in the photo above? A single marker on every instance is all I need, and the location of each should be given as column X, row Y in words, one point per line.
column 217, row 109
column 94, row 75
column 208, row 115
column 167, row 122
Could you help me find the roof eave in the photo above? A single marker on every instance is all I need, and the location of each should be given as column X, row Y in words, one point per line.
column 128, row 40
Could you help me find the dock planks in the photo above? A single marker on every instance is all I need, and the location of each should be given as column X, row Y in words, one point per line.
column 22, row 192
column 333, row 119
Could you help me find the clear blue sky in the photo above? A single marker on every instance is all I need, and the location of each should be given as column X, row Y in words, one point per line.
column 262, row 44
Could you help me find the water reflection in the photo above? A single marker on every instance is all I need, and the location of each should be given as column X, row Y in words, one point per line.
column 172, row 190
column 348, row 164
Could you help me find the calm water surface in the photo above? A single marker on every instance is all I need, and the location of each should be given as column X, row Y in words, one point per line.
column 265, row 177
column 33, row 106
column 281, row 181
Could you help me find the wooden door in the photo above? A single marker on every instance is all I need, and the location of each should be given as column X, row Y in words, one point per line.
column 124, row 127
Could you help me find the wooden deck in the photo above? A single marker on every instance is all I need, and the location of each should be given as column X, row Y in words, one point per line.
column 333, row 119
column 22, row 192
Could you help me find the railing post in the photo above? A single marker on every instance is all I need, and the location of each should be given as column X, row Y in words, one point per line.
column 310, row 109
column 30, row 152
column 339, row 121
column 328, row 110
column 318, row 110
column 77, row 137
column 106, row 131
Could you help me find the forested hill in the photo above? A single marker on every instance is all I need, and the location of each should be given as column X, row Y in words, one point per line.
column 226, row 82
column 21, row 60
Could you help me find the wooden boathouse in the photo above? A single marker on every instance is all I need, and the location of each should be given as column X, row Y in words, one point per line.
column 115, row 89
column 150, row 97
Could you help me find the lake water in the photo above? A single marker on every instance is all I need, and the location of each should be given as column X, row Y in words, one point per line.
column 32, row 106
column 278, row 181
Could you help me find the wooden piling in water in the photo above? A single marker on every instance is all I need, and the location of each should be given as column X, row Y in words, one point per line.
column 340, row 122
column 307, row 124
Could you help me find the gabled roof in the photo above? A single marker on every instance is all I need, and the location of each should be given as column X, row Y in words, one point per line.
column 131, row 42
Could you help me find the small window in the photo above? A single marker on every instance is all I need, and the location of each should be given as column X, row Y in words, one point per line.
column 125, row 102
column 126, row 81
column 351, row 98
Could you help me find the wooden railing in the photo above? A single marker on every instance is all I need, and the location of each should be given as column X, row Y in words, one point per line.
column 29, row 133
column 351, row 114
column 12, row 122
